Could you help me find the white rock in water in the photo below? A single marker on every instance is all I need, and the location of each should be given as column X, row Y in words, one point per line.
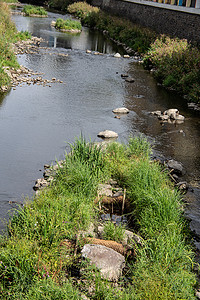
column 117, row 55
column 121, row 110
column 88, row 51
column 53, row 23
column 172, row 113
column 107, row 134
column 180, row 118
column 126, row 56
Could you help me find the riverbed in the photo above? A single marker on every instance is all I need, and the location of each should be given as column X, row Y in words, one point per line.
column 37, row 122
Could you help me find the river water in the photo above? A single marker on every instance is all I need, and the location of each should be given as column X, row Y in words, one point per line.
column 37, row 122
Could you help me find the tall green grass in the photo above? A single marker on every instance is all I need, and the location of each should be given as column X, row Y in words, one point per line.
column 34, row 262
column 34, row 10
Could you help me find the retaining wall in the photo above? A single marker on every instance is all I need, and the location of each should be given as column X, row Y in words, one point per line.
column 176, row 21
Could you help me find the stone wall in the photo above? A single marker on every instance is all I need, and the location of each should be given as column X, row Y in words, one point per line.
column 176, row 21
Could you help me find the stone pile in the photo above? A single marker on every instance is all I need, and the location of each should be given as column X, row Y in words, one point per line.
column 171, row 116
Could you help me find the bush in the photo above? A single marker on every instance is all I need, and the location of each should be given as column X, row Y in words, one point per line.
column 177, row 65
column 68, row 24
column 34, row 10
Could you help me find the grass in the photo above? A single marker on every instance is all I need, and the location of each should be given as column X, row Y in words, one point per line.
column 68, row 25
column 8, row 35
column 38, row 255
column 30, row 10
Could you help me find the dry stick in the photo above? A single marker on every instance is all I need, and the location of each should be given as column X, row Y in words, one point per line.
column 76, row 246
column 123, row 203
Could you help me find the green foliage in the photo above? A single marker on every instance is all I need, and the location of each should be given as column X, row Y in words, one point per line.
column 34, row 262
column 134, row 36
column 177, row 65
column 34, row 10
column 68, row 24
column 113, row 232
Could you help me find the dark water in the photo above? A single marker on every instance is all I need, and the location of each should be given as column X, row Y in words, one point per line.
column 37, row 122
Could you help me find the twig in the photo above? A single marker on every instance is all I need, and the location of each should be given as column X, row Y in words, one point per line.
column 123, row 203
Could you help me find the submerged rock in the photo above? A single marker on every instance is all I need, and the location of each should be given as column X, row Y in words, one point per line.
column 176, row 166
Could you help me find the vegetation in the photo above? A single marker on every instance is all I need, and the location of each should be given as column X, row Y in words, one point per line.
column 119, row 29
column 30, row 10
column 177, row 65
column 68, row 25
column 176, row 62
column 38, row 256
column 8, row 35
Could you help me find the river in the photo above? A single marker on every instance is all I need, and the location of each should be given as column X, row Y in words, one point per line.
column 37, row 122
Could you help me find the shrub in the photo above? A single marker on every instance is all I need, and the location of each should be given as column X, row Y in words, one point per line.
column 68, row 24
column 34, row 10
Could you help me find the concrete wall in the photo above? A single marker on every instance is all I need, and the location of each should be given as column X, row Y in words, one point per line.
column 176, row 21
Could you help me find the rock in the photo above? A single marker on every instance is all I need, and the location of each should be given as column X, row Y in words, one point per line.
column 180, row 118
column 156, row 113
column 117, row 117
column 53, row 23
column 182, row 186
column 130, row 79
column 121, row 110
column 172, row 113
column 126, row 56
column 117, row 55
column 88, row 51
column 176, row 166
column 107, row 134
column 163, row 117
column 198, row 295
column 108, row 261
column 124, row 75
column 105, row 190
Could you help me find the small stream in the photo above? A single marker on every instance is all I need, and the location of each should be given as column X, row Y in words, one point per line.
column 37, row 122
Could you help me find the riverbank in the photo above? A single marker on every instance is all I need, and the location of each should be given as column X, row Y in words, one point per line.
column 173, row 62
column 45, row 248
column 8, row 35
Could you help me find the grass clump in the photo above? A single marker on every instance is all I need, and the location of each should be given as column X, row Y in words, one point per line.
column 37, row 257
column 30, row 10
column 68, row 25
column 177, row 65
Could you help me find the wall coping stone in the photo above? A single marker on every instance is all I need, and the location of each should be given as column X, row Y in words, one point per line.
column 190, row 10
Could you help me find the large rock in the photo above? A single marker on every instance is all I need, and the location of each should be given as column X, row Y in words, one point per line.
column 121, row 110
column 176, row 166
column 172, row 113
column 108, row 261
column 107, row 134
column 117, row 55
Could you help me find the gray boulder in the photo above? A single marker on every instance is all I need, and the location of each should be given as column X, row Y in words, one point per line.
column 176, row 166
column 108, row 261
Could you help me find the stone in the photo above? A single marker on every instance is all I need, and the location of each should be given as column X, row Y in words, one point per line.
column 182, row 186
column 130, row 79
column 53, row 23
column 156, row 113
column 172, row 113
column 198, row 294
column 107, row 134
column 126, row 56
column 121, row 110
column 108, row 261
column 117, row 55
column 124, row 75
column 180, row 118
column 88, row 51
column 105, row 190
column 163, row 117
column 176, row 166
